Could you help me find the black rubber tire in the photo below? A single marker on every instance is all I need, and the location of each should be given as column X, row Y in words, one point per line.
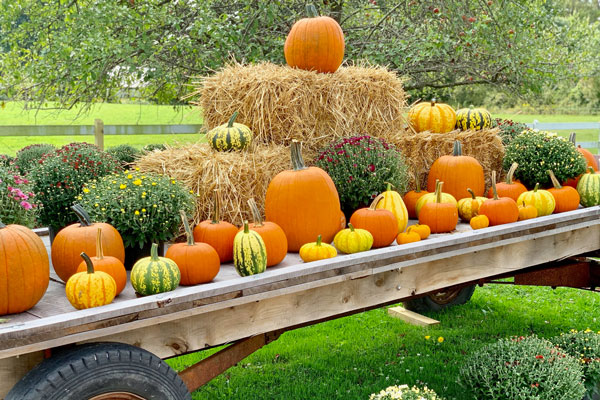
column 89, row 370
column 428, row 303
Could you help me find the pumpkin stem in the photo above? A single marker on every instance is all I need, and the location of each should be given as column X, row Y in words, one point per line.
column 188, row 230
column 457, row 151
column 418, row 182
column 537, row 186
column 433, row 102
column 311, row 11
column 2, row 225
column 256, row 215
column 319, row 240
column 494, row 190
column 82, row 215
column 590, row 170
column 472, row 193
column 154, row 252
column 246, row 227
column 216, row 211
column 88, row 262
column 438, row 192
column 555, row 181
column 388, row 187
column 351, row 227
column 99, row 249
column 232, row 120
column 511, row 172
column 296, row 151
column 373, row 205
column 572, row 138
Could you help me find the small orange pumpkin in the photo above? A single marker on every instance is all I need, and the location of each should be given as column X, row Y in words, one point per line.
column 510, row 188
column 315, row 43
column 275, row 240
column 381, row 223
column 111, row 265
column 407, row 237
column 527, row 211
column 469, row 206
column 90, row 288
column 479, row 222
column 423, row 230
column 499, row 210
column 566, row 198
column 218, row 234
column 440, row 217
column 411, row 198
column 197, row 262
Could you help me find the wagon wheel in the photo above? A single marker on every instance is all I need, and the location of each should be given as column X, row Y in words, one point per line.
column 101, row 371
column 444, row 298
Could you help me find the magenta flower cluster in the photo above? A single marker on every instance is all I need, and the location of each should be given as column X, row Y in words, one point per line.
column 16, row 199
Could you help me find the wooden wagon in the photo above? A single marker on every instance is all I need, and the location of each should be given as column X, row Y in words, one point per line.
column 115, row 351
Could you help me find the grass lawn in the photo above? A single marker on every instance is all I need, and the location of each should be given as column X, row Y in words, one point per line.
column 351, row 357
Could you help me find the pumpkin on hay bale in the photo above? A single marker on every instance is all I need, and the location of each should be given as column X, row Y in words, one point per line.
column 239, row 176
column 280, row 103
column 423, row 148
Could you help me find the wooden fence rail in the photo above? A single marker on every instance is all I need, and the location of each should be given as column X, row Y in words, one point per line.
column 570, row 126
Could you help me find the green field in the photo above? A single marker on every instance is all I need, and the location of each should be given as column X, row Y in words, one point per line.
column 351, row 357
column 13, row 113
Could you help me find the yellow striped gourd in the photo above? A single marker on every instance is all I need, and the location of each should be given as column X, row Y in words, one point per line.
column 392, row 201
column 230, row 136
column 541, row 199
column 249, row 252
column 353, row 240
column 90, row 288
column 154, row 274
column 473, row 118
column 432, row 116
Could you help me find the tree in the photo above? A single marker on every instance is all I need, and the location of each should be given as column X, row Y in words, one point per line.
column 72, row 51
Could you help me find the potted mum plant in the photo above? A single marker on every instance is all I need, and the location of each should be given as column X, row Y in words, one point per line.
column 143, row 207
column 16, row 199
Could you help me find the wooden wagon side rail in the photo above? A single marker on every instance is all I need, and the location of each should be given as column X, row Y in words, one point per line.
column 563, row 236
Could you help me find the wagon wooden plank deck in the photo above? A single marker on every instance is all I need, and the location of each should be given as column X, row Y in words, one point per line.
column 291, row 294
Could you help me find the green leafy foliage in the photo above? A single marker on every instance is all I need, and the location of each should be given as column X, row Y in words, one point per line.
column 16, row 199
column 124, row 153
column 144, row 208
column 537, row 152
column 60, row 176
column 153, row 146
column 360, row 166
column 28, row 157
column 527, row 368
column 151, row 49
column 6, row 160
column 585, row 347
column 508, row 129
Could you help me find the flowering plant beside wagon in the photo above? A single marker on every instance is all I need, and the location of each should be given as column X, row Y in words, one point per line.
column 16, row 199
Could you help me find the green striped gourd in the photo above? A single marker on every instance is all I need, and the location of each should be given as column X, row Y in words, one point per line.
column 249, row 252
column 588, row 188
column 154, row 274
column 230, row 136
column 473, row 118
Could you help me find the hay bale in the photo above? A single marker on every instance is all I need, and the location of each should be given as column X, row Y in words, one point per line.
column 280, row 103
column 238, row 175
column 422, row 149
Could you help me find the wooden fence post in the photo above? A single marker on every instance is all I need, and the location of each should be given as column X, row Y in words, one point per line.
column 99, row 133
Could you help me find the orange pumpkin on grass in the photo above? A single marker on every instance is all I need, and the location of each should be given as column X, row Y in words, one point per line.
column 303, row 202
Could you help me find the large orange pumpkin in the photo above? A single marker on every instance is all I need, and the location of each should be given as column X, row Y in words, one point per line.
column 25, row 269
column 74, row 239
column 381, row 223
column 432, row 116
column 315, row 43
column 303, row 202
column 219, row 234
column 458, row 173
column 111, row 265
column 499, row 210
column 275, row 241
column 510, row 188
column 197, row 262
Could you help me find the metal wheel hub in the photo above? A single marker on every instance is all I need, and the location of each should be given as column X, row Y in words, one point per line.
column 445, row 297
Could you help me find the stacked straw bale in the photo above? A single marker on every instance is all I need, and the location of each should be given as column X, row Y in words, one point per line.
column 238, row 175
column 423, row 148
column 280, row 103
